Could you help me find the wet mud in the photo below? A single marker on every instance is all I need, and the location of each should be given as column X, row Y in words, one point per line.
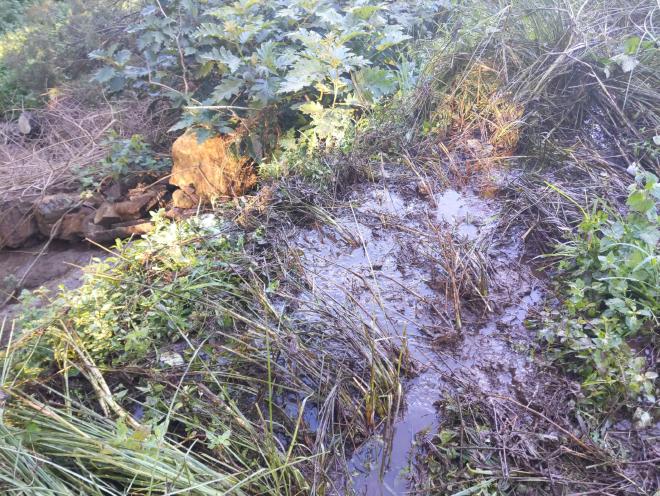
column 44, row 265
column 383, row 260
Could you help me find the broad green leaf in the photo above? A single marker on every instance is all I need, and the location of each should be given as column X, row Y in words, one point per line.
column 104, row 74
column 223, row 56
column 304, row 73
column 375, row 83
column 631, row 45
column 122, row 57
column 229, row 87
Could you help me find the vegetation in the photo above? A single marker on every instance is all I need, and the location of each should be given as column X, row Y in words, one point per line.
column 45, row 45
column 204, row 285
column 612, row 272
column 197, row 360
column 125, row 156
column 265, row 66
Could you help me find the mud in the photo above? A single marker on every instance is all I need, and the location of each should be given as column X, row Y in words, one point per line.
column 44, row 265
column 382, row 260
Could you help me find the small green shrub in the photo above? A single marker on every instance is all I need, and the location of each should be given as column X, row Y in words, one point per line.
column 148, row 293
column 125, row 156
column 612, row 299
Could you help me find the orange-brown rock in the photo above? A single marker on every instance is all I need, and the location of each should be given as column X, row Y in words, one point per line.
column 50, row 209
column 135, row 207
column 210, row 167
column 73, row 226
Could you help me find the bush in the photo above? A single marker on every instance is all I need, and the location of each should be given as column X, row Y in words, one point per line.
column 612, row 272
column 125, row 156
column 232, row 64
column 12, row 14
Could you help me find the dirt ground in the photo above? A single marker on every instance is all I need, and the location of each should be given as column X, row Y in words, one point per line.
column 47, row 265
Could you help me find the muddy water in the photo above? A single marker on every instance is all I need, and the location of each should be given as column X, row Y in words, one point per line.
column 382, row 261
column 50, row 266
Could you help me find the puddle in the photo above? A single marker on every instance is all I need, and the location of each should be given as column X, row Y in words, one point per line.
column 387, row 279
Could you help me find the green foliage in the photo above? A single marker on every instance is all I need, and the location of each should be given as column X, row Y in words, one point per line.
column 612, row 299
column 136, row 300
column 125, row 156
column 176, row 353
column 47, row 44
column 228, row 62
column 13, row 12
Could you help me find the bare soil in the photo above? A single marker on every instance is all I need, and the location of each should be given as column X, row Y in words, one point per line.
column 47, row 265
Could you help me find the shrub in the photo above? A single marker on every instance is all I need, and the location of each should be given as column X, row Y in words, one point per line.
column 229, row 64
column 125, row 156
column 612, row 300
column 48, row 44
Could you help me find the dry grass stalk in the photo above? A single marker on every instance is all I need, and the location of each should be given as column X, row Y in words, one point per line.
column 72, row 136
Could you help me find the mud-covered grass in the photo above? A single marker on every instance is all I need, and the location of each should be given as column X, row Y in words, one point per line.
column 499, row 444
column 179, row 351
column 554, row 112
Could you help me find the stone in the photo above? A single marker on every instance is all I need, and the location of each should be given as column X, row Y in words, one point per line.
column 17, row 224
column 133, row 208
column 136, row 205
column 210, row 167
column 49, row 209
column 185, row 198
column 100, row 235
column 106, row 215
column 28, row 124
column 74, row 226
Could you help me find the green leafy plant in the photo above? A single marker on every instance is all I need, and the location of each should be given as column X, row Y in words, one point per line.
column 228, row 63
column 612, row 299
column 125, row 156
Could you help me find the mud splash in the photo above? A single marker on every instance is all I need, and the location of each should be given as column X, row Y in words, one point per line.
column 381, row 260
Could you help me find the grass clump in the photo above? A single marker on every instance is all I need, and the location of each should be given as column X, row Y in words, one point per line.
column 610, row 275
column 176, row 351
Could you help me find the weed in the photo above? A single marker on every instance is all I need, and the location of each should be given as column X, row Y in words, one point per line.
column 610, row 273
column 125, row 156
column 178, row 347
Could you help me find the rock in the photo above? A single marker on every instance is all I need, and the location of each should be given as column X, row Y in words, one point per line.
column 17, row 224
column 106, row 215
column 74, row 226
column 50, row 209
column 100, row 235
column 185, row 198
column 137, row 204
column 135, row 207
column 28, row 124
column 424, row 188
column 211, row 168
